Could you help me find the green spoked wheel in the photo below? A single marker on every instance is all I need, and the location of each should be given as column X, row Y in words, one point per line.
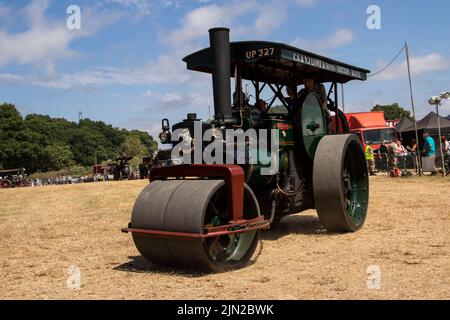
column 190, row 206
column 310, row 123
column 341, row 183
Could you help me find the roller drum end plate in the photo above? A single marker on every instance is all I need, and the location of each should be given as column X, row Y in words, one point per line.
column 187, row 206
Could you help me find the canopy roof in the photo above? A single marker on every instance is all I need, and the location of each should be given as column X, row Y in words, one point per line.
column 430, row 122
column 123, row 158
column 278, row 63
column 9, row 171
column 404, row 124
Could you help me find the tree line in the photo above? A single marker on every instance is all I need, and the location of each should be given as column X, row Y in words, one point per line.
column 40, row 143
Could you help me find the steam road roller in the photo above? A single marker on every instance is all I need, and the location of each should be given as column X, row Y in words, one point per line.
column 277, row 146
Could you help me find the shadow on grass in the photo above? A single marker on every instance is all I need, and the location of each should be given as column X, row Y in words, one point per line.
column 296, row 224
column 139, row 264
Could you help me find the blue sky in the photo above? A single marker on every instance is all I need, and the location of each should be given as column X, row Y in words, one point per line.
column 124, row 65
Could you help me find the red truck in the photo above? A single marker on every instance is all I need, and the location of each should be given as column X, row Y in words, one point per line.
column 371, row 128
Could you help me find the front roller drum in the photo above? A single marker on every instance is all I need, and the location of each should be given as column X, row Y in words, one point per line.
column 341, row 183
column 190, row 206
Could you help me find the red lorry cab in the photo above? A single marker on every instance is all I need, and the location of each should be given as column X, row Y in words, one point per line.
column 371, row 128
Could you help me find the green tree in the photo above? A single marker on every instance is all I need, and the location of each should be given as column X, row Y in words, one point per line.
column 9, row 111
column 88, row 146
column 147, row 140
column 279, row 108
column 40, row 143
column 133, row 147
column 56, row 157
column 393, row 111
column 18, row 145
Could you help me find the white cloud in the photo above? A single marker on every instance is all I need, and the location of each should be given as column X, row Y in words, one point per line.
column 45, row 42
column 40, row 43
column 172, row 101
column 143, row 6
column 266, row 17
column 167, row 68
column 198, row 20
column 419, row 65
column 339, row 38
column 270, row 17
column 163, row 70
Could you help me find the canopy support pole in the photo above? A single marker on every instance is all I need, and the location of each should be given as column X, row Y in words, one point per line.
column 419, row 164
column 336, row 103
column 440, row 140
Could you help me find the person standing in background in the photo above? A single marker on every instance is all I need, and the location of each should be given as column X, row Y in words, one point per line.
column 429, row 147
column 412, row 146
column 446, row 153
column 370, row 160
column 429, row 153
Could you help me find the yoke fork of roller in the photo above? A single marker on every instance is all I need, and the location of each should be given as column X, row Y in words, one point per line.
column 233, row 175
column 234, row 227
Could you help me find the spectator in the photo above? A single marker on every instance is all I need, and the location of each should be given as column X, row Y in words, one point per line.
column 446, row 153
column 412, row 146
column 393, row 160
column 383, row 155
column 445, row 145
column 429, row 153
column 393, row 149
column 400, row 147
column 370, row 160
column 383, row 148
column 429, row 147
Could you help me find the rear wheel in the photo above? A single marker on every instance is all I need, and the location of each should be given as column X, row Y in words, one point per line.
column 341, row 183
column 24, row 183
column 190, row 206
column 4, row 184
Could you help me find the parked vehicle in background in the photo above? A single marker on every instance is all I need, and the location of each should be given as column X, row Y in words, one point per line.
column 145, row 166
column 13, row 178
column 371, row 128
column 121, row 169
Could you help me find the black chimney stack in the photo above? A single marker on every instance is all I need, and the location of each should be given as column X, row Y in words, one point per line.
column 219, row 39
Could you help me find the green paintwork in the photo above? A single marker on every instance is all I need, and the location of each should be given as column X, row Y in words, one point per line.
column 286, row 131
column 356, row 189
column 313, row 124
column 255, row 178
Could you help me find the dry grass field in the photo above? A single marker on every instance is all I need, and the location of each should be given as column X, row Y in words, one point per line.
column 45, row 230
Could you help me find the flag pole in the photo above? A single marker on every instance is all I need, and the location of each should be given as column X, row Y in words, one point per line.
column 413, row 110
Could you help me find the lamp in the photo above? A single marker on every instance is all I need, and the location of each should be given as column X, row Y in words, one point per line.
column 436, row 100
column 445, row 95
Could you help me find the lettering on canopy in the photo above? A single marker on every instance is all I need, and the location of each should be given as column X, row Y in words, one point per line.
column 318, row 63
column 263, row 52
